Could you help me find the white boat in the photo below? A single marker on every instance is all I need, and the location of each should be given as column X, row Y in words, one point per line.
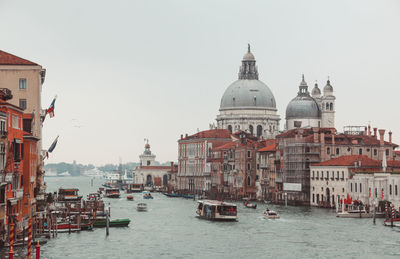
column 216, row 210
column 270, row 214
column 141, row 207
column 66, row 173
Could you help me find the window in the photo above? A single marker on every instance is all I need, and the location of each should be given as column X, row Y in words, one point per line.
column 351, row 187
column 376, row 193
column 342, row 175
column 230, row 128
column 258, row 166
column 360, row 151
column 342, row 189
column 3, row 126
column 328, row 151
column 360, row 187
column 327, row 175
column 22, row 83
column 375, row 152
column 337, row 175
column 15, row 121
column 387, row 152
column 248, row 181
column 327, row 106
column 395, row 190
column 259, row 131
column 322, row 175
column 2, row 156
column 313, row 198
column 249, row 154
column 22, row 104
column 390, row 189
column 355, row 187
column 248, row 167
column 313, row 174
column 331, row 106
column 317, row 174
column 251, row 129
column 337, row 151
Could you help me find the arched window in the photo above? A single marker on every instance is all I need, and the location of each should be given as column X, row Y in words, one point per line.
column 327, row 106
column 360, row 151
column 230, row 128
column 375, row 152
column 331, row 106
column 248, row 180
column 259, row 131
column 251, row 130
column 337, row 151
column 328, row 151
column 390, row 189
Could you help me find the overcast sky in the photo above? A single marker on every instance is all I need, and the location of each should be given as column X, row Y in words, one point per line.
column 128, row 70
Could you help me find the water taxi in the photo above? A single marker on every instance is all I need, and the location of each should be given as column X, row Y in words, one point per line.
column 129, row 197
column 68, row 195
column 270, row 214
column 216, row 210
column 112, row 193
column 141, row 207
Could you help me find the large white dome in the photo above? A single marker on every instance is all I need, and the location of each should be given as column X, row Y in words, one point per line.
column 248, row 94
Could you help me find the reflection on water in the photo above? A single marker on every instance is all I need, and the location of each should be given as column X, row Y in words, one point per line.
column 170, row 230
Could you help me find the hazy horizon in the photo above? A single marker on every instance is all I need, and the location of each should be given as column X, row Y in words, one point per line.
column 124, row 71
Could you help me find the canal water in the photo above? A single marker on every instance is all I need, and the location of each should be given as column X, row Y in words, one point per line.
column 170, row 230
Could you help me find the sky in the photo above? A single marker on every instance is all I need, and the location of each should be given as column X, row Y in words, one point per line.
column 128, row 70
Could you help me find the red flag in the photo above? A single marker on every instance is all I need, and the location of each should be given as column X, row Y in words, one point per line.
column 382, row 194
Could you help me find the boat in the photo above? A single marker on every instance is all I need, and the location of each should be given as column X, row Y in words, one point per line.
column 112, row 193
column 65, row 227
column 216, row 210
column 188, row 196
column 172, row 195
column 101, row 223
column 270, row 214
column 141, row 207
column 129, row 197
column 250, row 205
column 147, row 195
column 388, row 222
column 94, row 196
column 68, row 195
column 134, row 187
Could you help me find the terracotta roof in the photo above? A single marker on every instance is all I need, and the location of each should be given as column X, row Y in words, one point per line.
column 10, row 59
column 350, row 160
column 226, row 146
column 270, row 145
column 214, row 133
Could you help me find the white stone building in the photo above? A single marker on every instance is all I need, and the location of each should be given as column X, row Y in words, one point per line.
column 148, row 173
column 248, row 104
column 314, row 110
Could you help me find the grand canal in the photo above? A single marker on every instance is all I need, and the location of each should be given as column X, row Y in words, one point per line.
column 170, row 230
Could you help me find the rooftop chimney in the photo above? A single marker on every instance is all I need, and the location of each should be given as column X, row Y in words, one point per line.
column 381, row 137
column 390, row 137
column 369, row 130
column 375, row 129
column 181, row 136
column 365, row 131
column 186, row 135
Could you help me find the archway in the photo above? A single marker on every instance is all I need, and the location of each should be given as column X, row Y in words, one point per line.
column 328, row 195
column 149, row 180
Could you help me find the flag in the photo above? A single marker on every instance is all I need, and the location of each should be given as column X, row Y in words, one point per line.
column 53, row 145
column 50, row 110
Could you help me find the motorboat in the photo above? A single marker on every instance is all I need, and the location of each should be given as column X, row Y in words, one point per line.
column 216, row 210
column 112, row 193
column 141, row 207
column 250, row 205
column 147, row 195
column 270, row 214
column 129, row 197
column 388, row 222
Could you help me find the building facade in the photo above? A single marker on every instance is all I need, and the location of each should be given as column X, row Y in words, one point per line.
column 248, row 104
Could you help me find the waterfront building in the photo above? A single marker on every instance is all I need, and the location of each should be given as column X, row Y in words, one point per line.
column 329, row 179
column 148, row 173
column 12, row 158
column 248, row 104
column 303, row 147
column 194, row 171
column 269, row 170
column 376, row 184
column 313, row 110
column 234, row 168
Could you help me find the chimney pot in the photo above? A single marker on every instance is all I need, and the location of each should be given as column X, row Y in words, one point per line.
column 390, row 137
column 375, row 129
column 181, row 136
column 369, row 130
column 381, row 136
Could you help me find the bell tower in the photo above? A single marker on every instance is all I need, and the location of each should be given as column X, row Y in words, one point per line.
column 328, row 106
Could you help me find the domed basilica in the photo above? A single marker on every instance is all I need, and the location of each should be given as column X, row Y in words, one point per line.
column 248, row 104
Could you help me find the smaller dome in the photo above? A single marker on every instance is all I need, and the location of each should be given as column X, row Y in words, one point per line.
column 302, row 107
column 316, row 91
column 328, row 87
